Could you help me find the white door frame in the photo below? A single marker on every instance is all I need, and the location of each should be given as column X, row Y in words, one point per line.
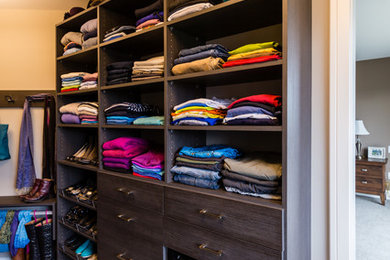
column 341, row 130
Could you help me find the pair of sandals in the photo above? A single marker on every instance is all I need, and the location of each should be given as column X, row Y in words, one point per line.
column 87, row 154
column 83, row 193
column 75, row 215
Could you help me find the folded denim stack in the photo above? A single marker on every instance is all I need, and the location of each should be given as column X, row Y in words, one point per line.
column 117, row 153
column 72, row 81
column 126, row 113
column 119, row 72
column 200, row 166
column 201, row 111
column 72, row 42
column 118, row 32
column 152, row 68
column 89, row 31
column 150, row 20
column 89, row 81
column 88, row 112
column 257, row 174
column 180, row 8
column 254, row 53
column 149, row 165
column 255, row 110
column 200, row 58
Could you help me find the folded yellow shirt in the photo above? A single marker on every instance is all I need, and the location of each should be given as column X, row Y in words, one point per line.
column 196, row 114
column 254, row 54
column 198, row 108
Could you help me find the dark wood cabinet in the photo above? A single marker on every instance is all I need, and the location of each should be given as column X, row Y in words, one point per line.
column 371, row 177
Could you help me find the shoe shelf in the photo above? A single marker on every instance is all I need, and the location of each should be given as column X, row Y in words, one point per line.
column 77, row 201
column 79, row 230
column 78, row 165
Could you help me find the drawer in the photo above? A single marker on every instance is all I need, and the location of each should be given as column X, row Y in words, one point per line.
column 130, row 221
column 131, row 192
column 250, row 222
column 369, row 184
column 113, row 245
column 201, row 244
column 369, row 170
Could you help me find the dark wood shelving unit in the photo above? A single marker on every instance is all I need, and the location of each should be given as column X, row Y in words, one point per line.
column 243, row 225
column 85, row 205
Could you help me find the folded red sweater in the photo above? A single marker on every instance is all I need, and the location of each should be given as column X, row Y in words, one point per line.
column 250, row 61
column 272, row 100
column 69, row 89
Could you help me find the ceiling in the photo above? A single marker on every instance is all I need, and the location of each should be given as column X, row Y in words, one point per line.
column 372, row 29
column 42, row 4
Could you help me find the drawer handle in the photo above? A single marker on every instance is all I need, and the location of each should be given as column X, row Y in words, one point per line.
column 124, row 218
column 125, row 191
column 204, row 247
column 206, row 213
column 122, row 257
column 364, row 170
column 364, row 182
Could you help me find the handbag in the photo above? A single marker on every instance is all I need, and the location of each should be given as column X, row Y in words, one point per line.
column 4, row 150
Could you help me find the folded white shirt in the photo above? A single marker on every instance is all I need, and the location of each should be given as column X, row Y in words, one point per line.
column 189, row 10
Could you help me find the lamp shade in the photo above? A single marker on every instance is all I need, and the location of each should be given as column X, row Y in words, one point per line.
column 360, row 129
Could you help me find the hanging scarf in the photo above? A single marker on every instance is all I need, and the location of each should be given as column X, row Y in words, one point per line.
column 5, row 231
column 21, row 238
column 14, row 226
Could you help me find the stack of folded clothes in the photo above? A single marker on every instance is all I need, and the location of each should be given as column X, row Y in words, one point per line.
column 126, row 113
column 201, row 111
column 69, row 113
column 119, row 72
column 254, row 53
column 89, row 81
column 149, row 165
column 117, row 153
column 72, row 42
column 88, row 112
column 255, row 110
column 89, row 31
column 143, row 12
column 200, row 58
column 201, row 166
column 149, row 120
column 71, row 81
column 180, row 8
column 150, row 20
column 256, row 174
column 118, row 32
column 149, row 69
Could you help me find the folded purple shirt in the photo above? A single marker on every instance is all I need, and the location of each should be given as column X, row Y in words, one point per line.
column 150, row 158
column 149, row 167
column 130, row 153
column 124, row 143
column 154, row 15
column 116, row 165
column 70, row 119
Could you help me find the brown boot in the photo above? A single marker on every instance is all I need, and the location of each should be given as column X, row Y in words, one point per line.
column 33, row 190
column 19, row 255
column 42, row 193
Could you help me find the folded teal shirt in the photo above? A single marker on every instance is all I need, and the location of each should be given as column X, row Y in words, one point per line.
column 152, row 120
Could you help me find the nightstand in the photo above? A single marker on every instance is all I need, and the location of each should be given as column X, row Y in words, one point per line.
column 370, row 177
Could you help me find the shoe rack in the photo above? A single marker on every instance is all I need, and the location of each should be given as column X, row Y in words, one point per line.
column 144, row 219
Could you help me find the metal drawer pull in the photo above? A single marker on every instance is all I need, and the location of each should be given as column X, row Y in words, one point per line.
column 121, row 257
column 123, row 190
column 124, row 218
column 204, row 247
column 364, row 182
column 364, row 170
column 206, row 213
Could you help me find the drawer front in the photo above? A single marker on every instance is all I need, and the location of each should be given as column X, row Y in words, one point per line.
column 369, row 184
column 133, row 222
column 130, row 192
column 201, row 244
column 369, row 171
column 115, row 246
column 253, row 223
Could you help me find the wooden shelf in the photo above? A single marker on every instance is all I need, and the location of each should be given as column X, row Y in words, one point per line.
column 78, row 165
column 132, row 177
column 15, row 201
column 151, row 85
column 146, row 127
column 228, row 128
column 86, row 205
column 84, row 56
column 77, row 231
column 79, row 125
column 82, row 92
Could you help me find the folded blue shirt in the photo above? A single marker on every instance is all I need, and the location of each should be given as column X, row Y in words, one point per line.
column 186, row 52
column 210, row 121
column 198, row 182
column 210, row 151
column 153, row 175
column 215, row 53
column 140, row 170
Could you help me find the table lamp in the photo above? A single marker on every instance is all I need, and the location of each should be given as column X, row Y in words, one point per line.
column 360, row 129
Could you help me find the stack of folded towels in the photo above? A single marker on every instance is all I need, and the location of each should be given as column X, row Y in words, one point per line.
column 89, row 31
column 149, row 165
column 180, row 8
column 201, row 111
column 118, row 32
column 149, row 69
column 254, row 53
column 71, row 81
column 79, row 112
column 150, row 20
column 149, row 15
column 72, row 42
column 201, row 58
column 126, row 113
column 89, row 81
column 255, row 110
column 257, row 174
column 119, row 72
column 201, row 166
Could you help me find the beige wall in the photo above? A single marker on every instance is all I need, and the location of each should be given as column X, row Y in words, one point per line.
column 373, row 101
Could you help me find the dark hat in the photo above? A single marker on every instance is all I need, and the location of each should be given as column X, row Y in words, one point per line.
column 73, row 11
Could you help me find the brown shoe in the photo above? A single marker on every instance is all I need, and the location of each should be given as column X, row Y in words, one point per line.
column 33, row 190
column 42, row 193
